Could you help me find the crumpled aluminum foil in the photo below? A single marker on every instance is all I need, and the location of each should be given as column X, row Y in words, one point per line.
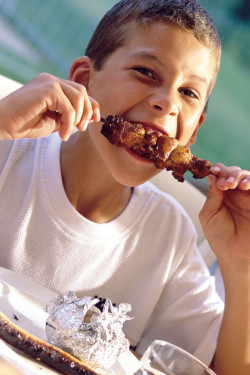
column 81, row 329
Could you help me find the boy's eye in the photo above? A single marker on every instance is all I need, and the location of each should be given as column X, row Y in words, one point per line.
column 188, row 92
column 144, row 71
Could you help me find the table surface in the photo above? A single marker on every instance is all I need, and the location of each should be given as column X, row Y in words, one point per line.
column 25, row 299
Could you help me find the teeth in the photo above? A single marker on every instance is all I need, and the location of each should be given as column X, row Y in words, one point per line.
column 150, row 131
column 154, row 131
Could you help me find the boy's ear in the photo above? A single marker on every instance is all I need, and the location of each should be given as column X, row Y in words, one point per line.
column 193, row 136
column 80, row 71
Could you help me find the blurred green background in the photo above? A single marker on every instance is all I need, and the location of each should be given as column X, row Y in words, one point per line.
column 47, row 35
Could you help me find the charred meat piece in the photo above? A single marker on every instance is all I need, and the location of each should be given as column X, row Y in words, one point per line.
column 164, row 151
column 133, row 136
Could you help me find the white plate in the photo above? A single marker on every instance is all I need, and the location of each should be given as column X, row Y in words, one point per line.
column 24, row 299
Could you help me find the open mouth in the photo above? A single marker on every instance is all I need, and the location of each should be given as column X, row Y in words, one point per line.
column 148, row 142
column 145, row 140
column 152, row 128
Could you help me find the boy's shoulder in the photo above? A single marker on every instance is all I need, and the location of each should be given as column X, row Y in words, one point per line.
column 158, row 198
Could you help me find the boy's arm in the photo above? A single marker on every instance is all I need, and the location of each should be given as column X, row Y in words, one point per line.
column 44, row 105
column 225, row 218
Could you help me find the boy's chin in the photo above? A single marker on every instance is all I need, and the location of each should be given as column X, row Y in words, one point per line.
column 133, row 180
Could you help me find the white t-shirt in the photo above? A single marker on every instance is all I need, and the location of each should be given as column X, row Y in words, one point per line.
column 146, row 257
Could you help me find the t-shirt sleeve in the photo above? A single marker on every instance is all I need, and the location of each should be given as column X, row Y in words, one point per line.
column 189, row 311
column 6, row 149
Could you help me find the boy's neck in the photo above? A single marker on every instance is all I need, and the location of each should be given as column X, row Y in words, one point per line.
column 89, row 187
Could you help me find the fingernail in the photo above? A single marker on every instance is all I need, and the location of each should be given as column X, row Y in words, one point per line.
column 97, row 114
column 85, row 124
column 245, row 180
column 209, row 180
column 222, row 181
column 216, row 169
column 66, row 138
column 231, row 179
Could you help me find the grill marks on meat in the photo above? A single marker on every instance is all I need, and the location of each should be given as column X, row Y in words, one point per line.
column 41, row 350
column 164, row 151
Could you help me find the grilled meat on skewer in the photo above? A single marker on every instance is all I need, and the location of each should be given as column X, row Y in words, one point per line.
column 164, row 151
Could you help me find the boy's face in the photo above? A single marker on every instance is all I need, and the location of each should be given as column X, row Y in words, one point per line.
column 161, row 78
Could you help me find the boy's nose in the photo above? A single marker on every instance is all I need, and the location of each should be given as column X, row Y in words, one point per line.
column 164, row 101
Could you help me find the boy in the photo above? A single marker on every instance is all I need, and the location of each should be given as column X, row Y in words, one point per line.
column 82, row 215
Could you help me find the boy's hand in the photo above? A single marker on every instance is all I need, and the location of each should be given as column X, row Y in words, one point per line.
column 44, row 105
column 225, row 216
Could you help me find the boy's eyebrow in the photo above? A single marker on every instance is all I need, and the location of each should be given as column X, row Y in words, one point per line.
column 149, row 56
column 201, row 79
column 146, row 55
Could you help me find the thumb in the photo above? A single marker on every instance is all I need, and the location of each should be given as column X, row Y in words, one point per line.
column 214, row 200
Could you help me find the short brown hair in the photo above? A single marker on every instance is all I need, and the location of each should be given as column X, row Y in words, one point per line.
column 189, row 15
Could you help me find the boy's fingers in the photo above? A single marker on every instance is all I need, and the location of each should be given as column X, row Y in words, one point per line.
column 78, row 96
column 213, row 202
column 73, row 106
column 217, row 168
column 229, row 177
column 220, row 169
column 245, row 183
column 240, row 179
column 96, row 111
column 58, row 101
column 87, row 109
column 95, row 117
column 87, row 113
column 65, row 117
column 66, row 124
